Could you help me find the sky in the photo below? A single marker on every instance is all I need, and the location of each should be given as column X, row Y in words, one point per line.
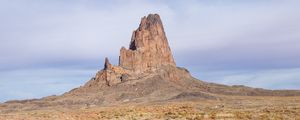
column 48, row 47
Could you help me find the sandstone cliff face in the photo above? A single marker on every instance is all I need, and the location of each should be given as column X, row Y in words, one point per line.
column 148, row 48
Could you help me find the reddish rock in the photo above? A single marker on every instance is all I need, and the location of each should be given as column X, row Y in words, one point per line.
column 148, row 51
column 148, row 48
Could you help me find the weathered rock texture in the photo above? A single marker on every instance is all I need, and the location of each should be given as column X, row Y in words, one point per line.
column 148, row 48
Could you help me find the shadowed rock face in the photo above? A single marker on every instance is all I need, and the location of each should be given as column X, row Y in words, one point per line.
column 148, row 48
column 107, row 64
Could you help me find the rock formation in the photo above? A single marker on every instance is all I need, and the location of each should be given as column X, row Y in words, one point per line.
column 149, row 57
column 148, row 48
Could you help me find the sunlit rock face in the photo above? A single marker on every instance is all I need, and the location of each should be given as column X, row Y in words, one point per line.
column 148, row 48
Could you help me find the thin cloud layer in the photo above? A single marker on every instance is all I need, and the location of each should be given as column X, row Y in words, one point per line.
column 207, row 37
column 269, row 79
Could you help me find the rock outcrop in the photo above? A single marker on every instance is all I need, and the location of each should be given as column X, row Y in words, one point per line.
column 108, row 76
column 148, row 48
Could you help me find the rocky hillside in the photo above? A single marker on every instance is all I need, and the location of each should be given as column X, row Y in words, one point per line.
column 147, row 73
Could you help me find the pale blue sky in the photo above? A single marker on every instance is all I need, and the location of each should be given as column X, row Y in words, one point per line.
column 50, row 47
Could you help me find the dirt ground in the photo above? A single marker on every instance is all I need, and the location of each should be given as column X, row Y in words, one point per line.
column 229, row 108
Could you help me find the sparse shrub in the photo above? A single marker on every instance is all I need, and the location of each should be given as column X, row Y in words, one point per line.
column 213, row 115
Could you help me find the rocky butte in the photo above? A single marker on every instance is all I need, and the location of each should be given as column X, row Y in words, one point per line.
column 146, row 73
column 148, row 51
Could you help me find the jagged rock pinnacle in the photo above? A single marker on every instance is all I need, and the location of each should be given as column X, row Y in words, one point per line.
column 107, row 64
column 149, row 47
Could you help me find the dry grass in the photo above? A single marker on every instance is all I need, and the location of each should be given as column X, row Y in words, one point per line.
column 244, row 108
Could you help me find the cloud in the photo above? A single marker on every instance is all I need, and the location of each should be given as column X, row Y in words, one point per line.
column 37, row 31
column 62, row 31
column 267, row 78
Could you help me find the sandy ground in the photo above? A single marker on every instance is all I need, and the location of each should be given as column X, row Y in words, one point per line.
column 231, row 108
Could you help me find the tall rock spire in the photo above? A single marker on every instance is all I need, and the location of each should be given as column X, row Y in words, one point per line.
column 148, row 48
